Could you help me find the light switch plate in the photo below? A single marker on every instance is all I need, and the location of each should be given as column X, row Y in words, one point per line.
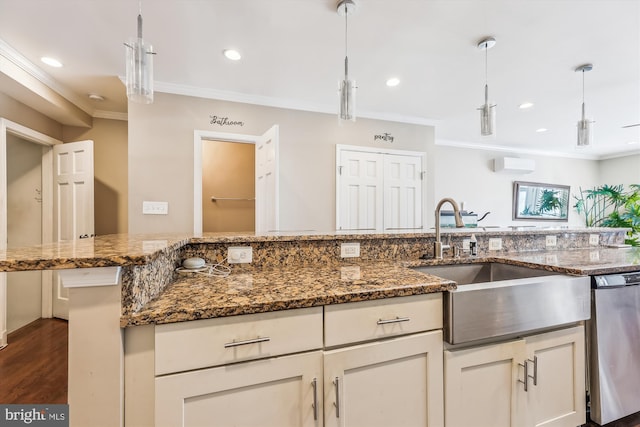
column 550, row 241
column 495, row 244
column 350, row 250
column 155, row 208
column 594, row 239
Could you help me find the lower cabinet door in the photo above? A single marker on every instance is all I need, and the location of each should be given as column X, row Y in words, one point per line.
column 277, row 392
column 557, row 378
column 483, row 386
column 395, row 382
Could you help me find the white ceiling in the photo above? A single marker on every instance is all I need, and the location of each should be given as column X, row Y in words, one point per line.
column 293, row 52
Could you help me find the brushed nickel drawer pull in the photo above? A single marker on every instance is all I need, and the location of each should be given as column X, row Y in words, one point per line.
column 535, row 370
column 526, row 375
column 314, row 383
column 247, row 342
column 336, row 382
column 396, row 320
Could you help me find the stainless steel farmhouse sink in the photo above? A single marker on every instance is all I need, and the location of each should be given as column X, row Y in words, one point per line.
column 497, row 300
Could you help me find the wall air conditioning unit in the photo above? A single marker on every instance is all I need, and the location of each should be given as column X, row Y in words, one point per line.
column 513, row 165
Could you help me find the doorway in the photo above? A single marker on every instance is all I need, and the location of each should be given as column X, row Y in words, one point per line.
column 228, row 186
column 24, row 228
column 266, row 185
column 14, row 135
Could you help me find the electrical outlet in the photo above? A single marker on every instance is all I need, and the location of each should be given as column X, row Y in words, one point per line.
column 594, row 239
column 350, row 250
column 239, row 254
column 155, row 208
column 550, row 241
column 465, row 244
column 495, row 244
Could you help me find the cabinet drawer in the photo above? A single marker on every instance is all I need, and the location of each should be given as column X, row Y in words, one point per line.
column 368, row 320
column 202, row 343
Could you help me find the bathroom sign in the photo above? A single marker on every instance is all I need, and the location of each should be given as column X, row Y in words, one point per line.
column 387, row 137
column 224, row 121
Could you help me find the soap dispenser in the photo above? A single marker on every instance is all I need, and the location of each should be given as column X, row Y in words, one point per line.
column 473, row 245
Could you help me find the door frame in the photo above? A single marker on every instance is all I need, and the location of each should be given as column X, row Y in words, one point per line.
column 198, row 137
column 9, row 127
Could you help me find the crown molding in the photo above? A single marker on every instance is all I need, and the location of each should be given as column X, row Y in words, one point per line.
column 111, row 115
column 515, row 150
column 268, row 101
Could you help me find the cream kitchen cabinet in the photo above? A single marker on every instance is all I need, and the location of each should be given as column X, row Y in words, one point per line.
column 395, row 382
column 535, row 381
column 379, row 363
column 238, row 371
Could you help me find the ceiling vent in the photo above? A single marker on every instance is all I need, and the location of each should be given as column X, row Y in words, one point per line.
column 513, row 165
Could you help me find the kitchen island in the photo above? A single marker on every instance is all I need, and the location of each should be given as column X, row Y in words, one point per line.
column 121, row 283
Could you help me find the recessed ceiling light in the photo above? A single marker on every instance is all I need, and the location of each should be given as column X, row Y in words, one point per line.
column 633, row 142
column 541, row 130
column 52, row 62
column 525, row 105
column 393, row 82
column 231, row 54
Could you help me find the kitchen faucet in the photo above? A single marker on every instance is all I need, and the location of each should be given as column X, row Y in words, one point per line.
column 438, row 247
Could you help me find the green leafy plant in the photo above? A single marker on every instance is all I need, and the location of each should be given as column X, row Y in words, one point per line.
column 550, row 202
column 612, row 206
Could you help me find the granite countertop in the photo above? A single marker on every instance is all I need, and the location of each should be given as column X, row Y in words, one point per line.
column 196, row 296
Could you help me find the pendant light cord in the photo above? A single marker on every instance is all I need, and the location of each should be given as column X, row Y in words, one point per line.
column 346, row 41
column 140, row 19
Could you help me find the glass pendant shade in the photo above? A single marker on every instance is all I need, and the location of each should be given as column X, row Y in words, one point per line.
column 487, row 115
column 139, row 64
column 347, row 96
column 584, row 131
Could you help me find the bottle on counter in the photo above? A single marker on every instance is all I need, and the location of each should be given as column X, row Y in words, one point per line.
column 473, row 245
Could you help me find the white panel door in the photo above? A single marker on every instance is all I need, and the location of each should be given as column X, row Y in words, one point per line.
column 396, row 382
column 402, row 192
column 360, row 181
column 73, row 204
column 267, row 196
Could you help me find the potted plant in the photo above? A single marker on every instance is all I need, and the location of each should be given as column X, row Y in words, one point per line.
column 612, row 206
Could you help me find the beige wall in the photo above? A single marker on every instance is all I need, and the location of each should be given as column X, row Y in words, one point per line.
column 228, row 171
column 19, row 113
column 161, row 157
column 467, row 175
column 621, row 170
column 24, row 228
column 110, row 168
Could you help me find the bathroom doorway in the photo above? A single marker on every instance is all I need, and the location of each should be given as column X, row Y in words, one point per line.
column 228, row 186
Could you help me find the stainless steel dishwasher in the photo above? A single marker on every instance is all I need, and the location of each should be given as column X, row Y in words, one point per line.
column 614, row 346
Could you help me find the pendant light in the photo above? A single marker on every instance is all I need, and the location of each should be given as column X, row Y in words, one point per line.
column 347, row 89
column 584, row 124
column 139, row 63
column 487, row 110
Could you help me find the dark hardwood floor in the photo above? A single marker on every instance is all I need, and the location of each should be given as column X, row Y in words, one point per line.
column 33, row 367
column 632, row 420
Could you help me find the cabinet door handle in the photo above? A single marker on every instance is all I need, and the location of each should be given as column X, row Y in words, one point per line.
column 314, row 383
column 336, row 382
column 247, row 342
column 535, row 370
column 526, row 375
column 396, row 320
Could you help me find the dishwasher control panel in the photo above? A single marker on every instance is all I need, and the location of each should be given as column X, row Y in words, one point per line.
column 616, row 280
